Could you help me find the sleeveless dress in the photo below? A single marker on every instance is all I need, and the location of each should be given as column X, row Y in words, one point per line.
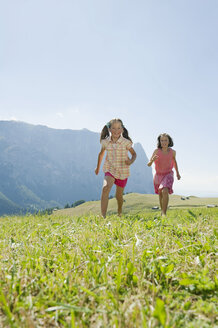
column 164, row 175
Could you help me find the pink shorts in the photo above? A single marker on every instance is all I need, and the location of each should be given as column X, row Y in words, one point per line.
column 118, row 182
column 163, row 181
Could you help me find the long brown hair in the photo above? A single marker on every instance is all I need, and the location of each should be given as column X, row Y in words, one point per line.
column 105, row 131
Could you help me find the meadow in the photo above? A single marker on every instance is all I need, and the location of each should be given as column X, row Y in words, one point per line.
column 139, row 270
column 135, row 203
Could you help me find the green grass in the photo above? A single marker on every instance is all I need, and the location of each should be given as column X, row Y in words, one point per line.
column 135, row 271
column 137, row 203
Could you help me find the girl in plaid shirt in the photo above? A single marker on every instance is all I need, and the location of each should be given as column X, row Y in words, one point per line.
column 116, row 141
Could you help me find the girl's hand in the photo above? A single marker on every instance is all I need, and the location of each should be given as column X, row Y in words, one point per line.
column 178, row 176
column 96, row 171
column 154, row 158
column 128, row 161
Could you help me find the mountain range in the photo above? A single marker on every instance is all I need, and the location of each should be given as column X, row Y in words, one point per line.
column 42, row 167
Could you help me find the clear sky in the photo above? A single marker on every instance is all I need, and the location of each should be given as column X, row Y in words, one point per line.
column 154, row 64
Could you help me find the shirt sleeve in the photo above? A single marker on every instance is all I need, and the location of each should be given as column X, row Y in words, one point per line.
column 128, row 144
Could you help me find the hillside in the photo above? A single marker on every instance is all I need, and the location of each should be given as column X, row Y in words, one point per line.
column 42, row 167
column 7, row 206
column 136, row 203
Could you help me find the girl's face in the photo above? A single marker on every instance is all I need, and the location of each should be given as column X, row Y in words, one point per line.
column 164, row 142
column 116, row 129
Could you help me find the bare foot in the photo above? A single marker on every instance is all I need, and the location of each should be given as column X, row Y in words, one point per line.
column 163, row 214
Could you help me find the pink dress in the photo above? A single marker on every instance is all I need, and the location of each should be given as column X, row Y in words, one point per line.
column 164, row 175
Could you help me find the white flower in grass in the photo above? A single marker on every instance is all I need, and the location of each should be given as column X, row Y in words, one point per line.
column 138, row 241
column 197, row 260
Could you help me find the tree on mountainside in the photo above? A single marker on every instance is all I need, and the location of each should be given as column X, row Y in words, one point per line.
column 78, row 202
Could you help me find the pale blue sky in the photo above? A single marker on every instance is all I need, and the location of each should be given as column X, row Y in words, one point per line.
column 154, row 64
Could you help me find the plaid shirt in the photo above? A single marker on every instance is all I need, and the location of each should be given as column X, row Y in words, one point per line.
column 117, row 154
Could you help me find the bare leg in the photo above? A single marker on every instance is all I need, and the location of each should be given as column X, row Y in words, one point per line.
column 119, row 197
column 165, row 200
column 161, row 201
column 107, row 185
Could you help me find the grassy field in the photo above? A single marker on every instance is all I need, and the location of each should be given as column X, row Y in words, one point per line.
column 135, row 271
column 137, row 203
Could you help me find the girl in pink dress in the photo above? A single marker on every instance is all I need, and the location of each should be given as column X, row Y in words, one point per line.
column 164, row 158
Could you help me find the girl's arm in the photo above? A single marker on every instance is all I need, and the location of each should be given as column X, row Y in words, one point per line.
column 176, row 166
column 133, row 153
column 100, row 158
column 153, row 157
